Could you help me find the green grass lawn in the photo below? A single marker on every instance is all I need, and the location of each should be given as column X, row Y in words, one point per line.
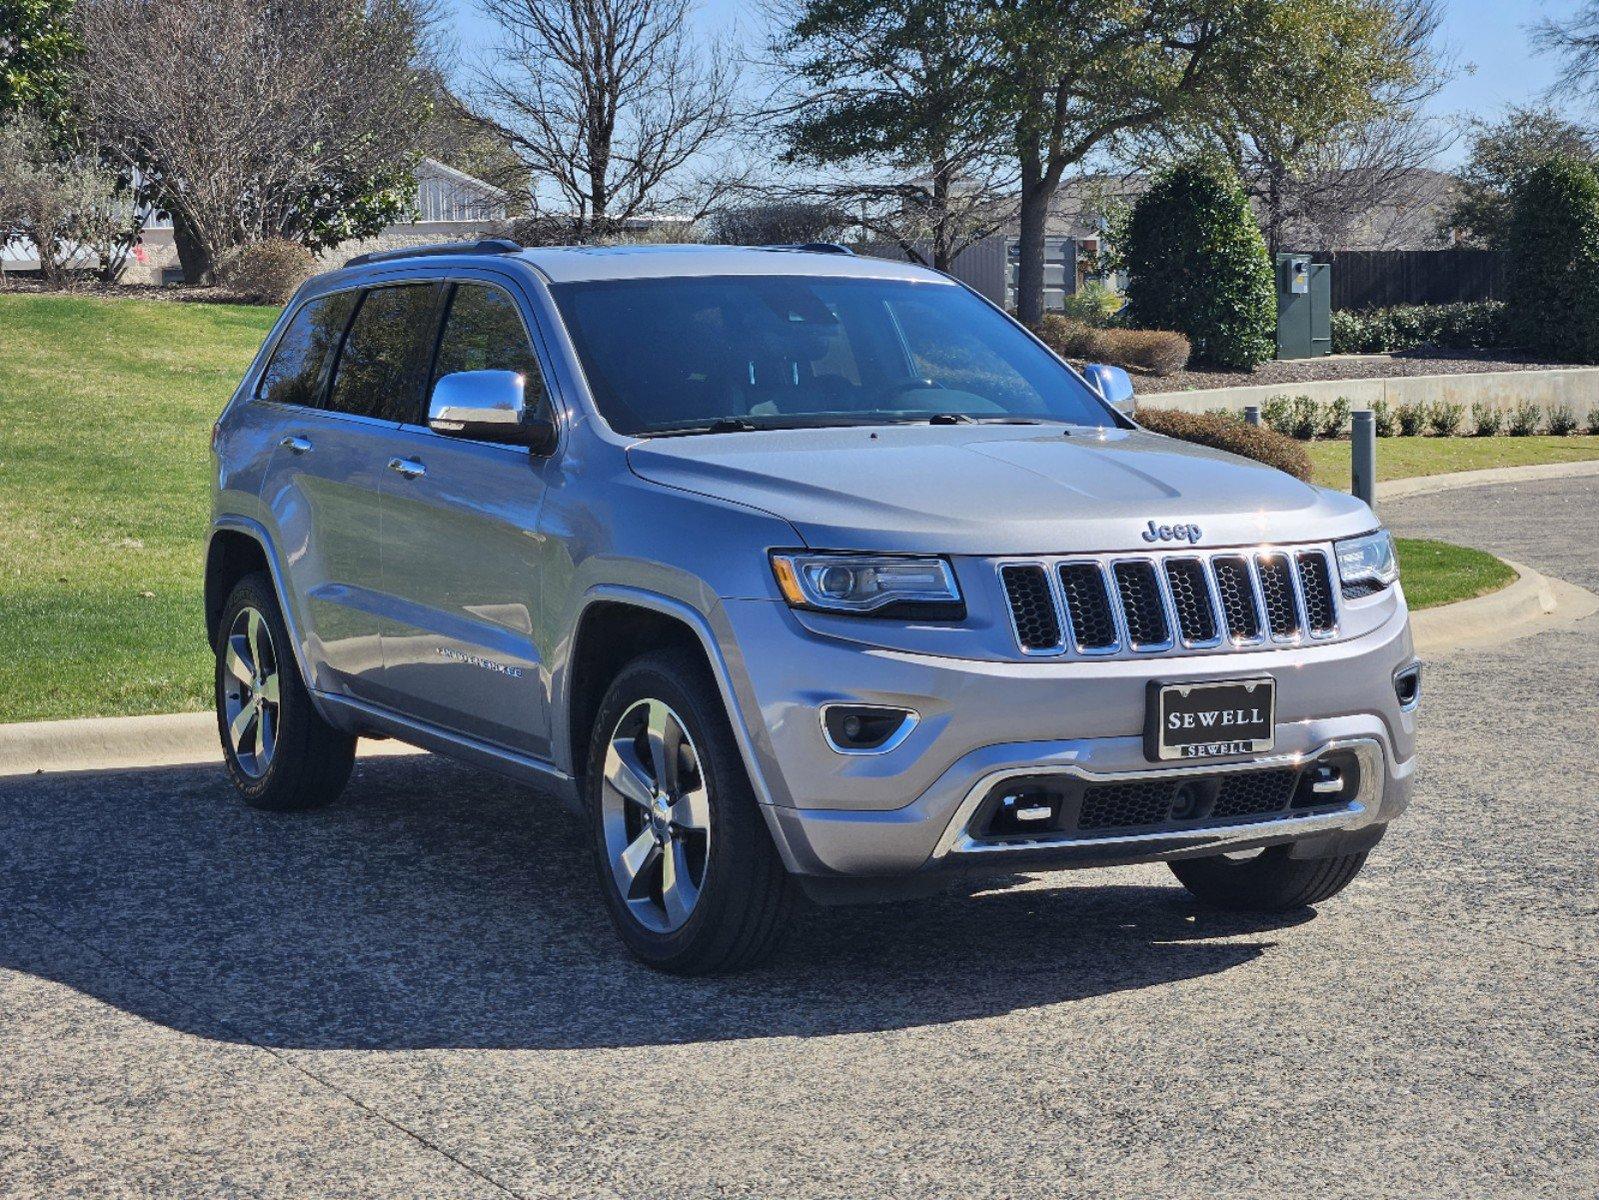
column 105, row 414
column 1437, row 573
column 1402, row 457
column 105, row 418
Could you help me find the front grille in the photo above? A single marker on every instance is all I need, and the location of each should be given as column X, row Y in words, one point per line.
column 1277, row 586
column 1155, row 604
column 1190, row 596
column 1141, row 603
column 1315, row 581
column 1088, row 606
column 1125, row 805
column 1032, row 608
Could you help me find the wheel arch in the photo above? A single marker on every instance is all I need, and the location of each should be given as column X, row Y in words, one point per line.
column 615, row 625
column 237, row 547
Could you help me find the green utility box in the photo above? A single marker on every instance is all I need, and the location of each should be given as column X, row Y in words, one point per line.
column 1304, row 307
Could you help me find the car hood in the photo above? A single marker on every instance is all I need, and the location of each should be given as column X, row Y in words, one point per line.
column 998, row 489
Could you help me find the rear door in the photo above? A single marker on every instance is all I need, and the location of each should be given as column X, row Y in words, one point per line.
column 360, row 374
column 461, row 552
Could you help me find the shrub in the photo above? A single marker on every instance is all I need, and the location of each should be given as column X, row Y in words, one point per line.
column 1410, row 417
column 1158, row 351
column 1553, row 287
column 1593, row 420
column 1562, row 421
column 1471, row 325
column 1334, row 421
column 1277, row 414
column 1068, row 338
column 1197, row 264
column 1524, row 419
column 1231, row 434
column 1486, row 419
column 1094, row 304
column 1444, row 419
column 1304, row 418
column 1382, row 417
column 1153, row 350
column 268, row 271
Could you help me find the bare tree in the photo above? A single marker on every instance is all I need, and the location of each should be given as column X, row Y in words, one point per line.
column 1574, row 38
column 298, row 119
column 612, row 107
column 68, row 207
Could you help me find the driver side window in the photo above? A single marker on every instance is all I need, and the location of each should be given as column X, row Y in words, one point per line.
column 483, row 331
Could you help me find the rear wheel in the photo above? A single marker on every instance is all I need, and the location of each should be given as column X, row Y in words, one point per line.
column 1266, row 881
column 280, row 753
column 689, row 873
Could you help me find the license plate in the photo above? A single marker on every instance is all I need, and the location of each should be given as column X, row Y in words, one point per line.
column 1210, row 720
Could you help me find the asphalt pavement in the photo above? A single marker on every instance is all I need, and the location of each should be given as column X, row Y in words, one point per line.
column 416, row 993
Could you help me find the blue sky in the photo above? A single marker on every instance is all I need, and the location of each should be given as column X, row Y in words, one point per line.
column 1488, row 39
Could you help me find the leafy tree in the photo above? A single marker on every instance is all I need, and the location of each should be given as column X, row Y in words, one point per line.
column 1325, row 133
column 1503, row 153
column 1197, row 263
column 904, row 84
column 36, row 49
column 1553, row 294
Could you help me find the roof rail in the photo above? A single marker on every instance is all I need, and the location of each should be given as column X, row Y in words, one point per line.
column 814, row 248
column 485, row 246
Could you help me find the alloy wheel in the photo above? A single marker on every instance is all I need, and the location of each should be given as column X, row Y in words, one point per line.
column 250, row 690
column 656, row 809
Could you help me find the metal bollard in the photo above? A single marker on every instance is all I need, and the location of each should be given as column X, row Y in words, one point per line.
column 1363, row 456
column 1252, row 414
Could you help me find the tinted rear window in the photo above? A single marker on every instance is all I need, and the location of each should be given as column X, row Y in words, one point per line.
column 294, row 376
column 379, row 373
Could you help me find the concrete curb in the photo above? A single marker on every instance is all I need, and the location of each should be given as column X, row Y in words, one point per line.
column 1532, row 604
column 1427, row 485
column 126, row 743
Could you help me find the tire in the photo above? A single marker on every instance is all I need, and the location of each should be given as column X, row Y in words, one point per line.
column 287, row 758
column 1267, row 882
column 730, row 893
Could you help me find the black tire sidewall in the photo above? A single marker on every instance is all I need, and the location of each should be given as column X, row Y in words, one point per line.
column 678, row 682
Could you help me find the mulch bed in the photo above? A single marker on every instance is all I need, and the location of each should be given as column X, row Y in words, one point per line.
column 1348, row 366
column 18, row 285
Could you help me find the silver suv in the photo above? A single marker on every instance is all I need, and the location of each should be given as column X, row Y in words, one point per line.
column 790, row 571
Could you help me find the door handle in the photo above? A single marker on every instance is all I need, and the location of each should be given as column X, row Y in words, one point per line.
column 408, row 467
column 295, row 444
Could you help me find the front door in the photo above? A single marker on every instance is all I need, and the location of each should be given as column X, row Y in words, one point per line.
column 461, row 552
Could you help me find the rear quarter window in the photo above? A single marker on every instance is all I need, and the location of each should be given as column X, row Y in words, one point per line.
column 299, row 362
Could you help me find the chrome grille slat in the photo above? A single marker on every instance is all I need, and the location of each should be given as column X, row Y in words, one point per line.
column 1226, row 600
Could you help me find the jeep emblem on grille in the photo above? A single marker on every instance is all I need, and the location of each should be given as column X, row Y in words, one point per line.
column 1171, row 533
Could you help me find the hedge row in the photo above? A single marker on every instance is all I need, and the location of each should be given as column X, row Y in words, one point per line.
column 1472, row 325
column 1227, row 432
column 1301, row 418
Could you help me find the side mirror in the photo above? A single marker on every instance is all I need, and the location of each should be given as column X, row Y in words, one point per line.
column 488, row 406
column 1113, row 384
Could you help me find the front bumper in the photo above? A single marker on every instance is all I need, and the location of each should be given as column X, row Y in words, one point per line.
column 909, row 811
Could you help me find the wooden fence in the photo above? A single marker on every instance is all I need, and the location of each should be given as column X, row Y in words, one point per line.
column 1379, row 278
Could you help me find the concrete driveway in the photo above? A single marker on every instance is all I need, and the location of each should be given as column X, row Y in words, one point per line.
column 416, row 994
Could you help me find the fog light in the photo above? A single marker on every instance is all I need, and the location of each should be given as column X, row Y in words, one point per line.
column 866, row 728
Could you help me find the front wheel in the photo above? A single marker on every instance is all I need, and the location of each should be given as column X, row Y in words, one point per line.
column 1269, row 881
column 689, row 873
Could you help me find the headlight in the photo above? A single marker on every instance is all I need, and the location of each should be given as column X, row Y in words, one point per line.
column 875, row 585
column 1366, row 564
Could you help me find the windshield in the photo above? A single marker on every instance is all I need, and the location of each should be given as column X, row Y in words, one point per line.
column 693, row 353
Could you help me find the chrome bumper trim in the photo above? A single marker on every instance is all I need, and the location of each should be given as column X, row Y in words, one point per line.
column 1360, row 811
